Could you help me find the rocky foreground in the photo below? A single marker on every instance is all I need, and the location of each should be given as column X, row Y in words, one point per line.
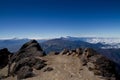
column 31, row 63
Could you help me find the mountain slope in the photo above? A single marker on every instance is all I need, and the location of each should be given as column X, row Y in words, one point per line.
column 61, row 43
column 78, row 64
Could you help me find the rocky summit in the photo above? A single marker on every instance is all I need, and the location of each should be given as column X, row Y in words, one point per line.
column 31, row 48
column 4, row 57
column 31, row 63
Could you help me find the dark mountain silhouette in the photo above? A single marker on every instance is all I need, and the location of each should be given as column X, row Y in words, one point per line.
column 4, row 57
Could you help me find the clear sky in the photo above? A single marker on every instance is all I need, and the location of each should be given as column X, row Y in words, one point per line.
column 56, row 18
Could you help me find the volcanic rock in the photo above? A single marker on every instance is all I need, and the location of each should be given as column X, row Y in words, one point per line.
column 99, row 64
column 4, row 54
column 29, row 61
column 64, row 51
column 48, row 69
column 31, row 48
column 27, row 58
column 25, row 72
column 79, row 51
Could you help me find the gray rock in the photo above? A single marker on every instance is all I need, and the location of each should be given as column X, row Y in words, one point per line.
column 29, row 61
column 31, row 48
column 4, row 53
column 48, row 69
column 79, row 51
column 99, row 64
column 25, row 72
column 64, row 51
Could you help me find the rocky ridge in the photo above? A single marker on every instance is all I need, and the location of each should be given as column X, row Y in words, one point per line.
column 30, row 63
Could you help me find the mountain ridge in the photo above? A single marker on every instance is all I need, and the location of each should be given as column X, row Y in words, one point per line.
column 15, row 43
column 29, row 63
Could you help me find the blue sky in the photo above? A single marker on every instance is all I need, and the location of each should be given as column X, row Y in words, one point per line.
column 56, row 18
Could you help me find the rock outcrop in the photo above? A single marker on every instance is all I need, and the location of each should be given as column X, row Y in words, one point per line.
column 26, row 59
column 76, row 52
column 99, row 64
column 31, row 48
column 29, row 61
column 94, row 61
column 4, row 57
column 65, row 51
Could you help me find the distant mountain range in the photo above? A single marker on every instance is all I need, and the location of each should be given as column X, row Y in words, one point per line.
column 59, row 44
column 108, row 42
column 95, row 39
column 110, row 47
column 73, row 42
column 69, row 42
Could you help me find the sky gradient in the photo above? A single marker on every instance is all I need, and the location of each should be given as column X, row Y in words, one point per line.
column 56, row 18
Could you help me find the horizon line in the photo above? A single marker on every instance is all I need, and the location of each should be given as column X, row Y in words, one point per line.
column 17, row 38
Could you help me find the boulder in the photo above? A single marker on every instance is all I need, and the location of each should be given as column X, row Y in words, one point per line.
column 48, row 69
column 79, row 51
column 65, row 51
column 4, row 57
column 88, row 52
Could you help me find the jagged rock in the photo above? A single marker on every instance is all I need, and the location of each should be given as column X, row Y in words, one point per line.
column 74, row 52
column 99, row 64
column 25, row 72
column 79, row 51
column 105, row 67
column 88, row 52
column 4, row 53
column 27, row 58
column 64, row 51
column 31, row 48
column 29, row 61
column 68, row 53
